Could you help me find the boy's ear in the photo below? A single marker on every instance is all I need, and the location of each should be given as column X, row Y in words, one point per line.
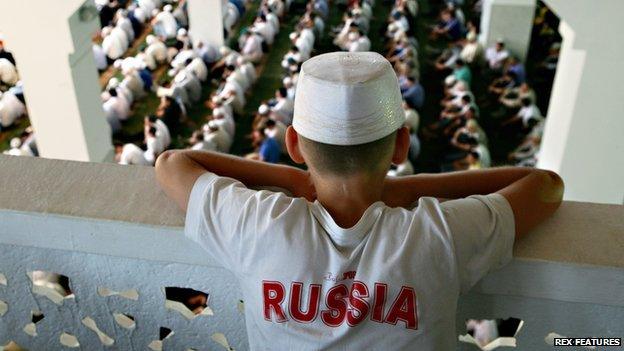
column 292, row 145
column 401, row 146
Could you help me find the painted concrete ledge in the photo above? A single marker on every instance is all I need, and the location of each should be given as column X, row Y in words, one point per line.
column 580, row 233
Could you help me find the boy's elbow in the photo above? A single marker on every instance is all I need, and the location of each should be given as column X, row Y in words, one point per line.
column 164, row 164
column 552, row 187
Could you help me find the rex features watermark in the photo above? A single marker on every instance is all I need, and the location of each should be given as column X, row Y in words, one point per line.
column 588, row 342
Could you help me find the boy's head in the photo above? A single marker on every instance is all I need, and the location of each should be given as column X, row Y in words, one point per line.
column 348, row 116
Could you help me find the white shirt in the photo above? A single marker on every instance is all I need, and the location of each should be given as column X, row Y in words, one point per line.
column 113, row 47
column 404, row 269
column 528, row 112
column 496, row 58
column 162, row 133
column 132, row 155
column 100, row 57
column 154, row 148
column 8, row 72
column 220, row 138
column 284, row 110
column 253, row 47
column 227, row 123
column 11, row 108
column 157, row 50
column 168, row 23
column 361, row 44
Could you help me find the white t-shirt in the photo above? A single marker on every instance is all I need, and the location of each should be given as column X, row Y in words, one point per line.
column 403, row 269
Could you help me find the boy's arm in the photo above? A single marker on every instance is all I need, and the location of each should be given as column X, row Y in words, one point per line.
column 532, row 193
column 177, row 171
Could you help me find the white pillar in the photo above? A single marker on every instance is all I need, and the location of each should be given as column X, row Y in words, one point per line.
column 51, row 41
column 510, row 20
column 583, row 139
column 206, row 21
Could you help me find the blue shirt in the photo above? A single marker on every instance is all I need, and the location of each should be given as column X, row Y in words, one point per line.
column 520, row 73
column 415, row 96
column 270, row 150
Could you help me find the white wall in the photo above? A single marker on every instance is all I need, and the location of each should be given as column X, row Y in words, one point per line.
column 60, row 80
column 583, row 140
column 206, row 21
column 510, row 20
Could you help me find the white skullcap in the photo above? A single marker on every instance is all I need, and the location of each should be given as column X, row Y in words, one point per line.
column 181, row 32
column 113, row 83
column 212, row 124
column 168, row 8
column 287, row 81
column 263, row 109
column 106, row 31
column 224, row 50
column 150, row 39
column 450, row 80
column 353, row 36
column 230, row 60
column 15, row 143
column 118, row 63
column 292, row 36
column 347, row 99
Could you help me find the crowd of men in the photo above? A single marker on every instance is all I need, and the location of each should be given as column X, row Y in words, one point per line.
column 156, row 33
column 509, row 100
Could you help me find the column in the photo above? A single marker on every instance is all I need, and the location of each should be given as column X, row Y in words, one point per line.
column 52, row 46
column 584, row 135
column 510, row 20
column 206, row 21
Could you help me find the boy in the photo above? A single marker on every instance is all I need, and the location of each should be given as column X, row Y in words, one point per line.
column 354, row 269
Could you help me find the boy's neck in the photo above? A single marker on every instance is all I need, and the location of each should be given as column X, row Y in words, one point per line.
column 346, row 198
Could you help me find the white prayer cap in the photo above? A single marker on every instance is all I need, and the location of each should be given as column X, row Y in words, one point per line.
column 113, row 83
column 263, row 109
column 212, row 124
column 224, row 50
column 347, row 99
column 293, row 35
column 106, row 31
column 15, row 143
column 287, row 81
column 150, row 39
column 182, row 32
column 168, row 8
column 450, row 80
column 353, row 36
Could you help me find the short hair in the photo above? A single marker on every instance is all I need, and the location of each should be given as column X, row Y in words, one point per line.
column 269, row 123
column 460, row 62
column 112, row 92
column 466, row 98
column 283, row 92
column 152, row 130
column 346, row 160
column 152, row 118
column 526, row 101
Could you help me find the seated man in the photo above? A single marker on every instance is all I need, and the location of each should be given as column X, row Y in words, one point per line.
column 340, row 254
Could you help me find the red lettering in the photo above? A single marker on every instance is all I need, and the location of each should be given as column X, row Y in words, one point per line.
column 336, row 304
column 295, row 302
column 359, row 307
column 404, row 309
column 379, row 303
column 273, row 293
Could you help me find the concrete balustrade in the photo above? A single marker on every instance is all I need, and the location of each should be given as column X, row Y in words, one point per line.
column 109, row 226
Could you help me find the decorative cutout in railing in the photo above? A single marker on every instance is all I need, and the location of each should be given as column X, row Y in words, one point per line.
column 67, row 299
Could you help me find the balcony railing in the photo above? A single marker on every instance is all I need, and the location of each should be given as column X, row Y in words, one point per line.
column 112, row 233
